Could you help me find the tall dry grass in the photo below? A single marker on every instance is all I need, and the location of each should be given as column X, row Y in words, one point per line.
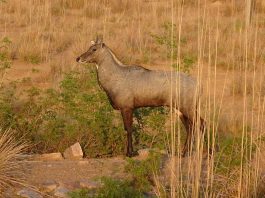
column 229, row 65
column 197, row 176
column 12, row 170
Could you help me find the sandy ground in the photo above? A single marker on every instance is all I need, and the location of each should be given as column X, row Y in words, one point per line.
column 67, row 171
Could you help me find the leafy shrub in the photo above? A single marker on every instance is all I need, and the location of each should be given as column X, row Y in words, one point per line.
column 111, row 188
column 79, row 193
column 149, row 128
column 167, row 39
column 170, row 42
column 230, row 153
column 52, row 120
column 142, row 171
column 5, row 61
column 33, row 58
column 117, row 189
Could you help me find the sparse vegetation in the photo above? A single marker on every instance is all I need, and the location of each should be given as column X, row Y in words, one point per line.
column 53, row 120
column 112, row 188
column 138, row 185
column 5, row 61
column 171, row 45
column 142, row 171
column 115, row 188
column 53, row 102
column 80, row 193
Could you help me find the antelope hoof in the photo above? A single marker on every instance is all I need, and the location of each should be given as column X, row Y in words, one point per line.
column 129, row 154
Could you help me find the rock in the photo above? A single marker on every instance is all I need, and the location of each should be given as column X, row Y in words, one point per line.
column 71, row 185
column 25, row 156
column 49, row 186
column 61, row 192
column 74, row 152
column 50, row 157
column 85, row 183
column 28, row 193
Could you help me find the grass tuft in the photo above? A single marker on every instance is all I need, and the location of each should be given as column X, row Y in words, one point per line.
column 11, row 165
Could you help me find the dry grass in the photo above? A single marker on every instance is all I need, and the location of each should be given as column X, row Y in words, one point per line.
column 128, row 23
column 54, row 32
column 238, row 88
column 11, row 164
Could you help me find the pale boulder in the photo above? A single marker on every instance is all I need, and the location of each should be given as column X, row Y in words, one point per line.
column 74, row 152
column 29, row 193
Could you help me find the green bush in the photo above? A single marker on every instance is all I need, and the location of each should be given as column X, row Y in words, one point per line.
column 111, row 188
column 5, row 61
column 117, row 189
column 52, row 120
column 142, row 171
column 229, row 156
column 33, row 58
column 170, row 42
column 149, row 128
column 79, row 193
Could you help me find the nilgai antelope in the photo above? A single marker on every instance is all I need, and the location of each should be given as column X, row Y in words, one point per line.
column 129, row 87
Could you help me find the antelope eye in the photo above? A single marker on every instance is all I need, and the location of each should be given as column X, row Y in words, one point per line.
column 94, row 49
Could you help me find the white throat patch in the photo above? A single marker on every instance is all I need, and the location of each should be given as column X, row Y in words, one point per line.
column 97, row 66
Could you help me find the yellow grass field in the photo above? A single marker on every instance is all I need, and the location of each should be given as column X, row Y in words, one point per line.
column 210, row 39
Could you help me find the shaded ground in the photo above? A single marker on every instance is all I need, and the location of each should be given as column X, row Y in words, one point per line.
column 66, row 171
column 67, row 174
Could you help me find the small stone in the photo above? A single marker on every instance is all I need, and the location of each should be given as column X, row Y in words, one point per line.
column 85, row 183
column 61, row 192
column 74, row 152
column 51, row 157
column 49, row 186
column 28, row 193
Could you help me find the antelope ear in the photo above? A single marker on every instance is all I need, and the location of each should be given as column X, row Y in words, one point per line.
column 102, row 45
column 99, row 39
column 93, row 42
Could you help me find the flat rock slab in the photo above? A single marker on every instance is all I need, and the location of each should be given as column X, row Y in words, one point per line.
column 72, row 171
column 28, row 193
column 61, row 191
column 50, row 157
